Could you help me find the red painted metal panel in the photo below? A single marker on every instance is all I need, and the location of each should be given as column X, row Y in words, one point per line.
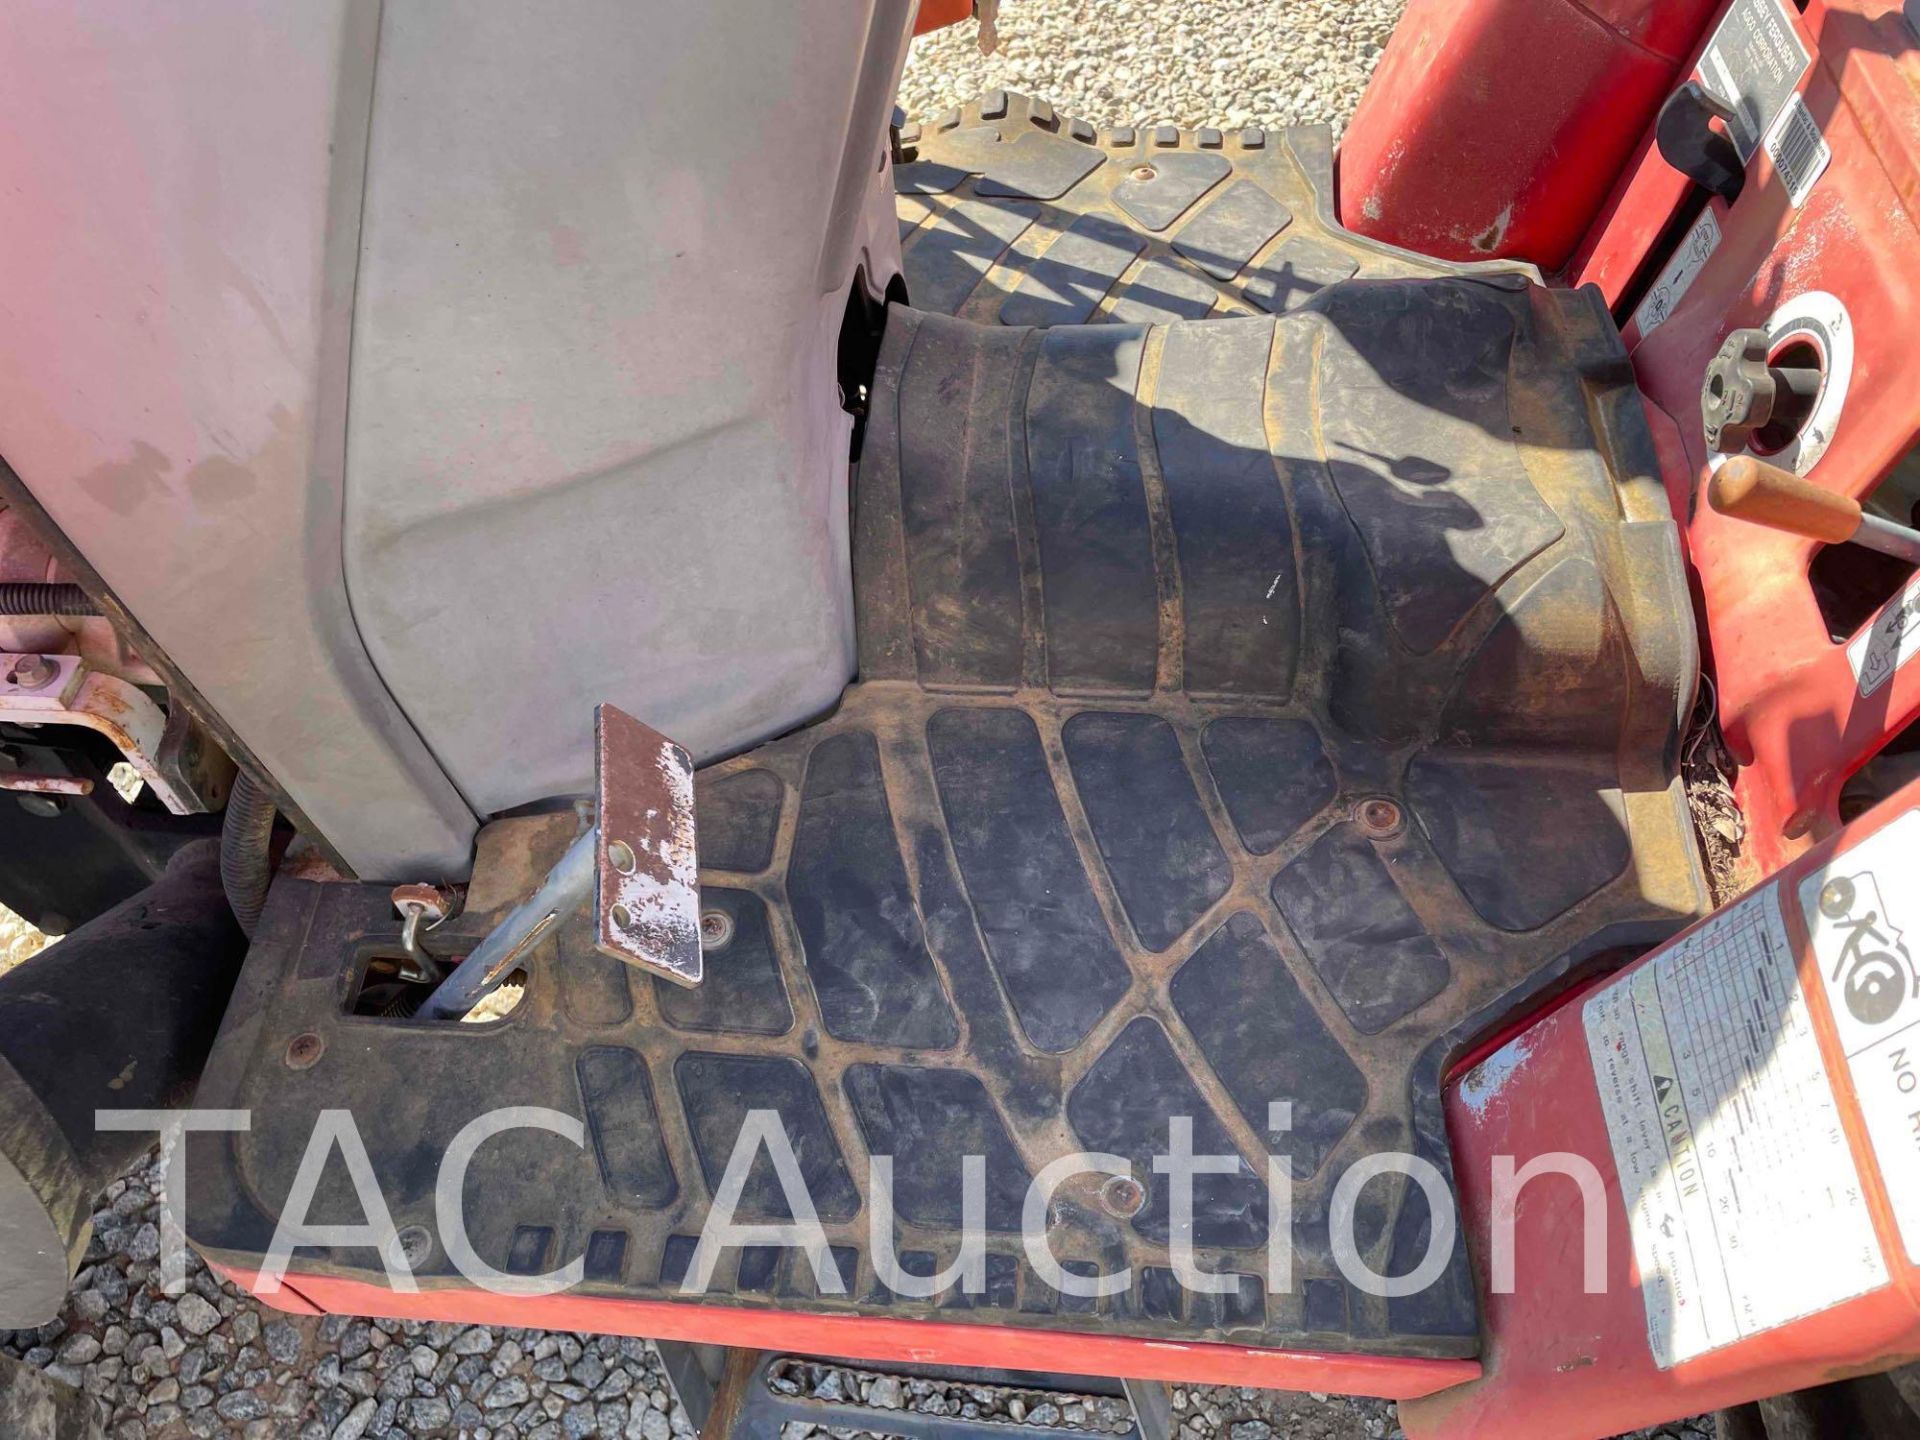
column 938, row 14
column 1564, row 1363
column 881, row 1339
column 1789, row 702
column 1498, row 127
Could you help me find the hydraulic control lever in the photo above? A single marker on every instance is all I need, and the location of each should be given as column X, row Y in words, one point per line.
column 1750, row 489
column 1686, row 139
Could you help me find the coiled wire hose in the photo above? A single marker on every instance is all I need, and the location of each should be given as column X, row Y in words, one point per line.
column 246, row 837
column 27, row 597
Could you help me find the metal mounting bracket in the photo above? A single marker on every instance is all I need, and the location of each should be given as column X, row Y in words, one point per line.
column 638, row 864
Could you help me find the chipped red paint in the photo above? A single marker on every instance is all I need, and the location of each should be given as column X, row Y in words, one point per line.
column 1467, row 147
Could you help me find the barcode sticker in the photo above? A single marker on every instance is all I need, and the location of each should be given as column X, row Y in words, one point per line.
column 1798, row 151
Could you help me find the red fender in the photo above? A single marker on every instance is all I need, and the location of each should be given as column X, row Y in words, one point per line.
column 1496, row 128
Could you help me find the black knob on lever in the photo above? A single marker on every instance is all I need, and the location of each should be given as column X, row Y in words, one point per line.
column 1688, row 142
column 1743, row 396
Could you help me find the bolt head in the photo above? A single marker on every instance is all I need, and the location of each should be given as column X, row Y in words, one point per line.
column 304, row 1051
column 1122, row 1196
column 412, row 1245
column 716, row 929
column 33, row 672
column 1381, row 818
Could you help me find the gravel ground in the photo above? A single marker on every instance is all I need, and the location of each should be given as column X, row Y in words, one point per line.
column 212, row 1362
column 1196, row 62
column 18, row 940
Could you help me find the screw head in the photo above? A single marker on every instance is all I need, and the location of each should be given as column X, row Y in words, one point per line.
column 32, row 672
column 1122, row 1196
column 716, row 929
column 304, row 1051
column 411, row 1245
column 1380, row 818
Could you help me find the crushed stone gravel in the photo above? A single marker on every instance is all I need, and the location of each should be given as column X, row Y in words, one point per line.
column 213, row 1362
column 18, row 940
column 1199, row 62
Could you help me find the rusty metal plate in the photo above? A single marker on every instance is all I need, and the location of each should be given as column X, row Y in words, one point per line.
column 646, row 897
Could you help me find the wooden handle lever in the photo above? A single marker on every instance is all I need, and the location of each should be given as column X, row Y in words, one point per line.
column 1752, row 490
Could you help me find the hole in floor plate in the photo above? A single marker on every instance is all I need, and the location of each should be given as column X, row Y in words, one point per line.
column 384, row 990
column 382, row 986
column 501, row 1003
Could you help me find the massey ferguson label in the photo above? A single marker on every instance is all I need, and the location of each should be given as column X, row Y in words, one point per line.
column 1754, row 63
column 1726, row 1138
column 1863, row 911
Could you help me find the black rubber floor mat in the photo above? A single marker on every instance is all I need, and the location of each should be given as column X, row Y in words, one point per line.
column 1012, row 214
column 1251, row 711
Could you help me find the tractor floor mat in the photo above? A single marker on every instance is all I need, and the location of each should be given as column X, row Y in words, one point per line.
column 1253, row 714
column 1013, row 214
